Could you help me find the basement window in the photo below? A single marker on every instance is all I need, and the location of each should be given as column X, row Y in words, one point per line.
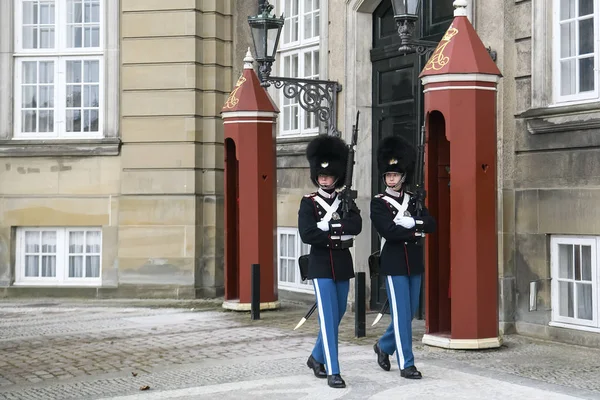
column 575, row 278
column 58, row 256
column 289, row 248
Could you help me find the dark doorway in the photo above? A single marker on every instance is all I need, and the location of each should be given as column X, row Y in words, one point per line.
column 397, row 91
column 438, row 251
column 232, row 222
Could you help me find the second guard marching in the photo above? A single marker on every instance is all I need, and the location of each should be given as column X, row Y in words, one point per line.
column 330, row 236
column 394, row 216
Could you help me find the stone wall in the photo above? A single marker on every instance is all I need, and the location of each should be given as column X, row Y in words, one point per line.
column 549, row 163
column 176, row 76
column 158, row 201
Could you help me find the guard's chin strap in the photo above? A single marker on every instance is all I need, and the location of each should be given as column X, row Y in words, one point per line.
column 398, row 186
column 330, row 187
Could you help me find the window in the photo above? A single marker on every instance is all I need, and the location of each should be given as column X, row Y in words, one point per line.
column 58, row 69
column 299, row 58
column 576, row 50
column 289, row 248
column 59, row 256
column 575, row 280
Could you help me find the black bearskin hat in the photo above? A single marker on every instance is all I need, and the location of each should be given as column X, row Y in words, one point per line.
column 327, row 155
column 396, row 155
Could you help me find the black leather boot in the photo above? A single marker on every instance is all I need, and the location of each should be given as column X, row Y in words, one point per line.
column 336, row 381
column 382, row 359
column 411, row 373
column 317, row 367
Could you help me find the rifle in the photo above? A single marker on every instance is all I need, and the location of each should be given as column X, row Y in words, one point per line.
column 347, row 196
column 418, row 200
column 420, row 194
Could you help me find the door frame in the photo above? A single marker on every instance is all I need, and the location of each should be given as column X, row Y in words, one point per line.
column 387, row 50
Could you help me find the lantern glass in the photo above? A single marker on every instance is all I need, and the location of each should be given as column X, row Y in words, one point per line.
column 407, row 9
column 265, row 35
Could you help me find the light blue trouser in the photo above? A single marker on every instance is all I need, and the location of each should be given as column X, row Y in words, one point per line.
column 403, row 293
column 332, row 297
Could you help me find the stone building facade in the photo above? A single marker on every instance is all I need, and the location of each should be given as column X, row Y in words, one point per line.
column 111, row 177
column 548, row 235
column 549, row 148
column 111, row 142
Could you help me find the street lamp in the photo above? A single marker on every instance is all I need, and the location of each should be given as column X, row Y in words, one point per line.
column 266, row 30
column 406, row 15
column 313, row 95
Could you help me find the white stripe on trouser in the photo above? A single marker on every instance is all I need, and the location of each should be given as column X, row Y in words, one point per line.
column 323, row 328
column 396, row 321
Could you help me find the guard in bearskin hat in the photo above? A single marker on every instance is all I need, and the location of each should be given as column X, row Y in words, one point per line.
column 401, row 254
column 330, row 236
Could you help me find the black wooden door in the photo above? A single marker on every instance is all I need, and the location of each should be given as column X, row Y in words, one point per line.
column 397, row 91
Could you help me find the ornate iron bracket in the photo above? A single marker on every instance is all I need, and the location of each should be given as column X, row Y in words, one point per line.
column 406, row 30
column 421, row 47
column 426, row 48
column 314, row 96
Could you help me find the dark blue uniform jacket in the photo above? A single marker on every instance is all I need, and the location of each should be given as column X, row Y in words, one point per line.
column 402, row 253
column 326, row 259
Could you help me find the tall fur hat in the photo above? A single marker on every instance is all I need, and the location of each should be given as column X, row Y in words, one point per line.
column 327, row 155
column 396, row 155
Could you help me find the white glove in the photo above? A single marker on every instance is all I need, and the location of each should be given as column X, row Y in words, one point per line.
column 406, row 222
column 323, row 225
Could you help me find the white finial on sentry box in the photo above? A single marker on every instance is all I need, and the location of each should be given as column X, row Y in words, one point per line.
column 248, row 60
column 460, row 8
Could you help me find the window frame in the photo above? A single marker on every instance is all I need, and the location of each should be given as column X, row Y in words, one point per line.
column 556, row 98
column 59, row 100
column 299, row 47
column 59, row 54
column 62, row 258
column 109, row 143
column 60, row 48
column 570, row 322
column 301, row 42
column 302, row 130
column 296, row 286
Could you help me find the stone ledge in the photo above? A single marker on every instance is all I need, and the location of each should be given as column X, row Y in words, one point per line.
column 300, row 299
column 558, row 334
column 293, row 146
column 562, row 119
column 121, row 292
column 60, row 147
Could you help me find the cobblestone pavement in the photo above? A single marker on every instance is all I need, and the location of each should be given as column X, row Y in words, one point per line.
column 60, row 349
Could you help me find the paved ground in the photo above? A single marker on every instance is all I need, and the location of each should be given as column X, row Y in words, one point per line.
column 54, row 349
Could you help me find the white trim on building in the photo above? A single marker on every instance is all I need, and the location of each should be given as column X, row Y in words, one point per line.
column 289, row 248
column 299, row 57
column 575, row 51
column 546, row 42
column 575, row 281
column 53, row 36
column 58, row 256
